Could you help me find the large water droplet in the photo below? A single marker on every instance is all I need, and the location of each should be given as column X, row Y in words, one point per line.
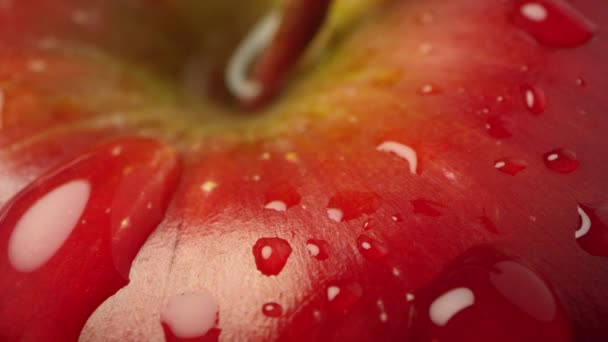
column 45, row 226
column 190, row 315
column 561, row 160
column 371, row 248
column 592, row 232
column 510, row 166
column 348, row 205
column 272, row 310
column 319, row 249
column 271, row 255
column 487, row 296
column 535, row 100
column 553, row 23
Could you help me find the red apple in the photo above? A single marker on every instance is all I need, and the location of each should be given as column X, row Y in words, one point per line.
column 427, row 171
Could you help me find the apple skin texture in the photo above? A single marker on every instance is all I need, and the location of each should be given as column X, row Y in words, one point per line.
column 431, row 171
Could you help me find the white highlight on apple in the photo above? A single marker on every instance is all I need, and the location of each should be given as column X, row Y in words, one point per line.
column 585, row 224
column 449, row 304
column 332, row 292
column 534, row 11
column 190, row 315
column 552, row 157
column 402, row 151
column 500, row 164
column 276, row 206
column 335, row 214
column 259, row 39
column 46, row 225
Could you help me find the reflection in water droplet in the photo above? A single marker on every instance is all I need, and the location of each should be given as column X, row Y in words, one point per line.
column 190, row 315
column 342, row 297
column 281, row 197
column 561, row 160
column 426, row 207
column 486, row 296
column 271, row 255
column 496, row 128
column 272, row 310
column 553, row 23
column 535, row 100
column 592, row 232
column 402, row 151
column 510, row 166
column 46, row 225
column 319, row 249
column 371, row 248
column 449, row 304
column 349, row 205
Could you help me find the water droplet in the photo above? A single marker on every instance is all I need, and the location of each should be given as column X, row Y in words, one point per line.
column 561, row 160
column 402, row 151
column 58, row 212
column 496, row 128
column 371, row 248
column 535, row 100
column 348, row 205
column 510, row 166
column 190, row 315
column 397, row 218
column 281, row 197
column 486, row 296
column 581, row 82
column 429, row 89
column 272, row 310
column 592, row 232
column 319, row 249
column 553, row 23
column 426, row 207
column 368, row 224
column 342, row 297
column 271, row 255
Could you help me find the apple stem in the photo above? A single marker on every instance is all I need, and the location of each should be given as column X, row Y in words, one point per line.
column 272, row 49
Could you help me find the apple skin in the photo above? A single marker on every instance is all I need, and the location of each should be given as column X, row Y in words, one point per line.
column 428, row 74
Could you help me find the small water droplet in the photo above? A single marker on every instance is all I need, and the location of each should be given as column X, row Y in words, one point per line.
column 426, row 207
column 368, row 224
column 581, row 82
column 429, row 89
column 397, row 218
column 319, row 249
column 561, row 160
column 486, row 296
column 592, row 232
column 535, row 100
column 553, row 23
column 190, row 315
column 510, row 166
column 272, row 310
column 348, row 205
column 342, row 297
column 271, row 255
column 372, row 249
column 497, row 128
